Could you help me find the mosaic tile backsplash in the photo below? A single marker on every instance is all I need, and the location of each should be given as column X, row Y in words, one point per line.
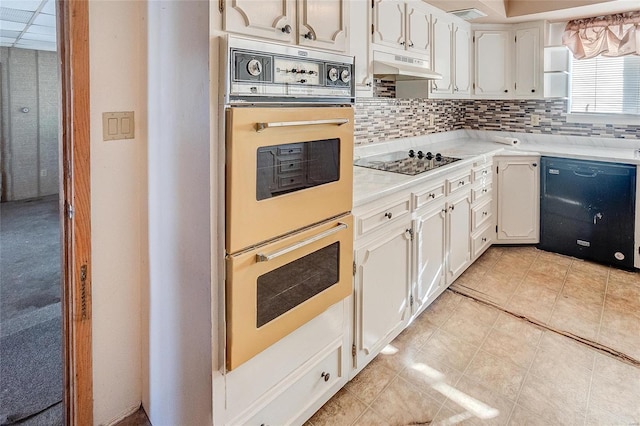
column 380, row 119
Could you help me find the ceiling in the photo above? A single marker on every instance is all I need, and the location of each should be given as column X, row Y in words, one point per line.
column 511, row 11
column 28, row 24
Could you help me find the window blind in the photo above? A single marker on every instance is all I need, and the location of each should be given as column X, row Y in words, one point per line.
column 609, row 85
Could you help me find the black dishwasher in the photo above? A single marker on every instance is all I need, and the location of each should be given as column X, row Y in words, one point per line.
column 587, row 210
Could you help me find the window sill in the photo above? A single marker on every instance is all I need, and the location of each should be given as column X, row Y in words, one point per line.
column 624, row 119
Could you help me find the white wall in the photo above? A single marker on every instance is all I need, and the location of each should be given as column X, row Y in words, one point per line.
column 117, row 33
column 177, row 371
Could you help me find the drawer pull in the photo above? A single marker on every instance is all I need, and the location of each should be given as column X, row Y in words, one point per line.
column 452, row 208
column 432, row 195
column 325, row 376
column 261, row 257
column 484, row 213
column 461, row 183
column 388, row 215
column 485, row 190
column 484, row 172
column 484, row 239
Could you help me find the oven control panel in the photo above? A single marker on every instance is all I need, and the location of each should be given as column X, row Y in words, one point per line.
column 258, row 71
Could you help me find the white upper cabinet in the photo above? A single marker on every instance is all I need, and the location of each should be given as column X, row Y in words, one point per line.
column 323, row 24
column 442, row 54
column 492, row 63
column 320, row 23
column 527, row 66
column 272, row 19
column 388, row 23
column 508, row 61
column 402, row 25
column 451, row 42
column 417, row 28
column 360, row 29
column 461, row 59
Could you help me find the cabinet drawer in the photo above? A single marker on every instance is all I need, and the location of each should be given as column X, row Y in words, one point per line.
column 291, row 149
column 462, row 181
column 292, row 165
column 482, row 240
column 482, row 172
column 375, row 219
column 483, row 191
column 312, row 382
column 423, row 198
column 480, row 215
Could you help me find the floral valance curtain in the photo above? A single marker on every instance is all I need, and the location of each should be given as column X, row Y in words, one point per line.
column 612, row 35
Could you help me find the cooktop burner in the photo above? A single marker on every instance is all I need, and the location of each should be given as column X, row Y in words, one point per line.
column 411, row 163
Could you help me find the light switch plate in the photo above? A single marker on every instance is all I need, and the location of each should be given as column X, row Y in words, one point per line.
column 117, row 125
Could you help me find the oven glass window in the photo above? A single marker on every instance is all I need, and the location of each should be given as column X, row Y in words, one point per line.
column 295, row 166
column 288, row 286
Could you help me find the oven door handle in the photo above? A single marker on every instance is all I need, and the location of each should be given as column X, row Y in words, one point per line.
column 263, row 126
column 261, row 257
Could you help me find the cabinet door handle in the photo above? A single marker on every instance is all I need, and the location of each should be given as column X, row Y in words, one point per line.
column 451, row 208
column 261, row 257
column 484, row 213
column 484, row 191
column 309, row 36
column 402, row 43
column 533, row 90
column 286, row 29
column 432, row 195
column 325, row 376
column 461, row 183
column 484, row 239
column 388, row 215
column 535, row 164
column 411, row 44
column 506, row 90
column 368, row 84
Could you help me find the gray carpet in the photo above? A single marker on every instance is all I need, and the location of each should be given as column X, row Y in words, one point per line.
column 30, row 327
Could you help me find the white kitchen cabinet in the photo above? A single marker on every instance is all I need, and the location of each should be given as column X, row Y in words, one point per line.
column 382, row 280
column 508, row 61
column 442, row 54
column 528, row 62
column 458, row 232
column 360, row 28
column 429, row 255
column 492, row 50
column 451, row 58
column 320, row 23
column 402, row 26
column 518, row 206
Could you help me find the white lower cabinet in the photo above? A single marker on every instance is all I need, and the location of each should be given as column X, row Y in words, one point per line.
column 382, row 279
column 458, row 235
column 429, row 255
column 518, row 207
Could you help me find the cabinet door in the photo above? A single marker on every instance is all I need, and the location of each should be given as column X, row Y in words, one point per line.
column 388, row 23
column 442, row 32
column 493, row 63
column 273, row 19
column 418, row 28
column 359, row 30
column 461, row 74
column 382, row 291
column 429, row 255
column 518, row 186
column 458, row 236
column 323, row 24
column 527, row 62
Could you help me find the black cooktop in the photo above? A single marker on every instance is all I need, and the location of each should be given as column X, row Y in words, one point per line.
column 407, row 163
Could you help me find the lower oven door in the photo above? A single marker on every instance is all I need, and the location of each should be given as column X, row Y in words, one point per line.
column 276, row 288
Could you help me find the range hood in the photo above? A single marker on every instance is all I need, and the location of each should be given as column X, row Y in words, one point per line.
column 402, row 68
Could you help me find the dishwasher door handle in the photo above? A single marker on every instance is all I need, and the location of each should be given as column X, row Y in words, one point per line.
column 586, row 174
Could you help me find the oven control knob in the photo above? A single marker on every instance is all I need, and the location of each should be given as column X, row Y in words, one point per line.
column 254, row 67
column 438, row 157
column 345, row 76
column 429, row 155
column 420, row 155
column 333, row 74
column 412, row 153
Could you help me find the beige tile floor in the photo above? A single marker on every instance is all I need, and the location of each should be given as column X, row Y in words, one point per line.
column 466, row 362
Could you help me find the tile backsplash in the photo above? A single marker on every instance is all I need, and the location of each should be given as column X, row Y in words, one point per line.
column 379, row 119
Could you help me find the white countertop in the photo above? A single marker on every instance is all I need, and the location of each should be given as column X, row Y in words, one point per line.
column 370, row 185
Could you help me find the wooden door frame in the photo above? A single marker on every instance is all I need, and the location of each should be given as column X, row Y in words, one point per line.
column 73, row 51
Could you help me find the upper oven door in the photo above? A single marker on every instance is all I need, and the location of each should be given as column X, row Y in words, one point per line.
column 287, row 168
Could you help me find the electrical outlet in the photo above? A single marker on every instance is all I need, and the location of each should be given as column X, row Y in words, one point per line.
column 432, row 120
column 43, row 172
column 535, row 120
